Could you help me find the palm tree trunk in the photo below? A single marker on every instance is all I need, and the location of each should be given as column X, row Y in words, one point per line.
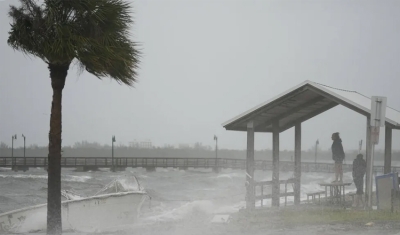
column 58, row 73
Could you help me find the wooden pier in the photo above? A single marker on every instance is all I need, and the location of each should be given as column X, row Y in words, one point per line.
column 94, row 163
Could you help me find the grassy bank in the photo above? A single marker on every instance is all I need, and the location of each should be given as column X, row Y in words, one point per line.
column 327, row 216
column 289, row 217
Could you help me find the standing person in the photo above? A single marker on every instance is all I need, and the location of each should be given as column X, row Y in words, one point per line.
column 359, row 169
column 338, row 157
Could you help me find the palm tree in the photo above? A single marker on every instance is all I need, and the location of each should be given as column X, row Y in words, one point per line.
column 93, row 34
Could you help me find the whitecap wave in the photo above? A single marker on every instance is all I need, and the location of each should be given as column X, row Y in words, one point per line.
column 229, row 175
column 74, row 178
column 24, row 176
column 185, row 211
column 230, row 209
column 69, row 178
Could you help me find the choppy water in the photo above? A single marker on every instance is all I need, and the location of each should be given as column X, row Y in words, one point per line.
column 183, row 202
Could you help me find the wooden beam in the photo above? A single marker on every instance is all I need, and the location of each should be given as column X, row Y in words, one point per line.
column 292, row 110
column 275, row 163
column 388, row 150
column 250, row 192
column 391, row 126
column 250, row 116
column 308, row 116
column 297, row 163
column 339, row 101
column 368, row 149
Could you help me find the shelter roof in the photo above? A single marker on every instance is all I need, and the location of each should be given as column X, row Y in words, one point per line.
column 303, row 102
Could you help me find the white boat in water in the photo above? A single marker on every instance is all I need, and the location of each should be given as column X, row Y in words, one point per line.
column 111, row 208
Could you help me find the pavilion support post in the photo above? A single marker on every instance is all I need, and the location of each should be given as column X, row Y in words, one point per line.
column 368, row 150
column 388, row 150
column 297, row 163
column 275, row 163
column 250, row 192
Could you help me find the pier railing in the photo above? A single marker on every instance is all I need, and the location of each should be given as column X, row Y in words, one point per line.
column 103, row 162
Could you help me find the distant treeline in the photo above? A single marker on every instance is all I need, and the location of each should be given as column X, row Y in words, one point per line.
column 86, row 149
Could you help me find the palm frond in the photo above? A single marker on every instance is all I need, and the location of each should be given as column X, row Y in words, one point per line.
column 118, row 60
column 26, row 28
column 96, row 33
column 110, row 52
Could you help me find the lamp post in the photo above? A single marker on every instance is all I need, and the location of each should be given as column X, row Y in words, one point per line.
column 216, row 152
column 112, row 151
column 23, row 136
column 316, row 149
column 14, row 137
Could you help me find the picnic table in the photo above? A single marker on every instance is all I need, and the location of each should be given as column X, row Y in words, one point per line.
column 337, row 192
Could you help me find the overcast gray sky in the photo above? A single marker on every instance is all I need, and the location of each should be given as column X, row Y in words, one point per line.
column 205, row 62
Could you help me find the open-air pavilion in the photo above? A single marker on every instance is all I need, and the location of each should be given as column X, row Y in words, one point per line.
column 291, row 109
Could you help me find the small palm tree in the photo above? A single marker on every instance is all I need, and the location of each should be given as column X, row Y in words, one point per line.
column 93, row 34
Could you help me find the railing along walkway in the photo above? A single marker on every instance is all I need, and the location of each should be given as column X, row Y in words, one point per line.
column 104, row 162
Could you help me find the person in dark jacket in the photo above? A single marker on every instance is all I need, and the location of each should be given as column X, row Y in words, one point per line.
column 359, row 169
column 338, row 157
